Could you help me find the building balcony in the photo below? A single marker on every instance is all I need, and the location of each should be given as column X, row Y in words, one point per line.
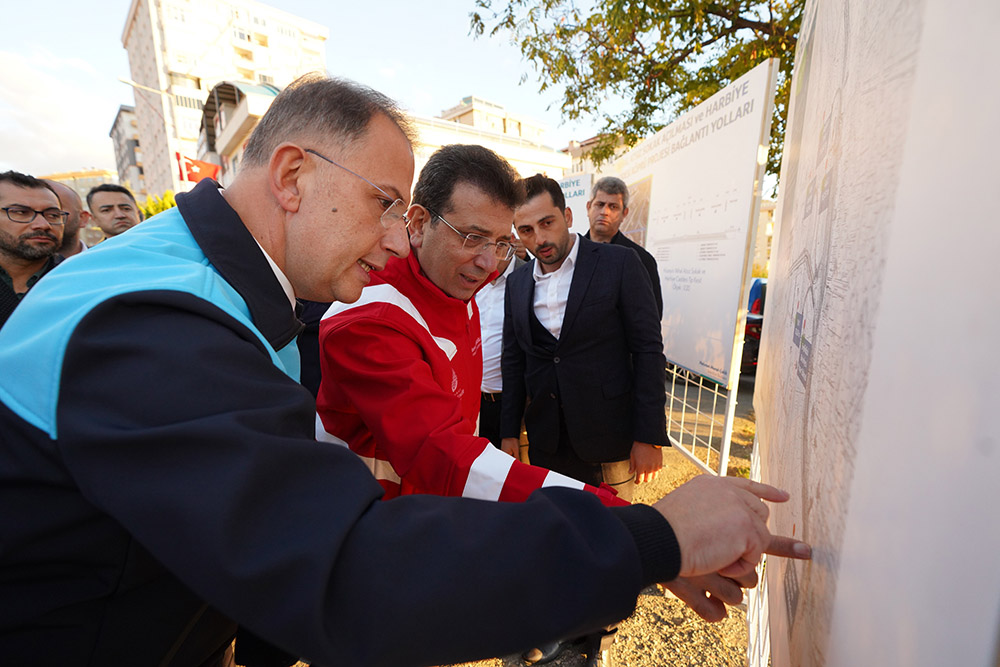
column 241, row 122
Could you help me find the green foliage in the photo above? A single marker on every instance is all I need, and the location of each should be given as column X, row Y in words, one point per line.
column 156, row 204
column 661, row 57
column 739, row 471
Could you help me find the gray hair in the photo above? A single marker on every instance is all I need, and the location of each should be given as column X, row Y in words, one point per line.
column 611, row 186
column 318, row 105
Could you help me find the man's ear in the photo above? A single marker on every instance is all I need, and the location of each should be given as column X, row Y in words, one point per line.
column 624, row 212
column 284, row 171
column 86, row 217
column 569, row 216
column 419, row 218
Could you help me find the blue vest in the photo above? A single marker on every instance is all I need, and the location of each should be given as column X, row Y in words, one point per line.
column 159, row 254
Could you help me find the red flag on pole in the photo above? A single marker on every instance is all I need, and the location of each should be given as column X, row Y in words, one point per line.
column 195, row 170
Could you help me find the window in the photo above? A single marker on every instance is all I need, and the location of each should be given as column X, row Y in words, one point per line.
column 188, row 102
column 264, row 78
column 185, row 81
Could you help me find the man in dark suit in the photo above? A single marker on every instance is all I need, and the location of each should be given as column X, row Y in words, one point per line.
column 582, row 348
column 606, row 210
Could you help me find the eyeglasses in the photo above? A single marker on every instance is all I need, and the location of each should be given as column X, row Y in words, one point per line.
column 394, row 215
column 477, row 244
column 24, row 215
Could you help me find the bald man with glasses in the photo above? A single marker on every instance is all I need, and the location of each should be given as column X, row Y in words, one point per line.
column 402, row 366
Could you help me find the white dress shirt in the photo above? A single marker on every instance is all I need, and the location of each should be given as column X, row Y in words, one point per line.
column 552, row 290
column 490, row 302
column 286, row 285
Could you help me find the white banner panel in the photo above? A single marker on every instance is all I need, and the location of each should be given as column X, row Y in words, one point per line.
column 576, row 190
column 702, row 174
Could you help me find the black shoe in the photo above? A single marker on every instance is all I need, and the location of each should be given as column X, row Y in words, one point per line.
column 544, row 653
column 596, row 660
column 597, row 647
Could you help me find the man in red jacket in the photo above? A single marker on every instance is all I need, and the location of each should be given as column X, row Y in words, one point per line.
column 402, row 366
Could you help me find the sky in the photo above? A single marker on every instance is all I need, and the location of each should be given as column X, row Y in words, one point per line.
column 61, row 61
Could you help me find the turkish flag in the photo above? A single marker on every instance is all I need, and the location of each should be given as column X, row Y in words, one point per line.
column 195, row 170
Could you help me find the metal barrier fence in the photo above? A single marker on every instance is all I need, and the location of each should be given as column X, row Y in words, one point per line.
column 700, row 416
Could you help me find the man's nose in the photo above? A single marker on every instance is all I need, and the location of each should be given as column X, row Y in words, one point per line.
column 487, row 260
column 40, row 222
column 396, row 241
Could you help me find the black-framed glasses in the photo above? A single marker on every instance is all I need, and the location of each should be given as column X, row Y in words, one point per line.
column 477, row 244
column 394, row 213
column 24, row 215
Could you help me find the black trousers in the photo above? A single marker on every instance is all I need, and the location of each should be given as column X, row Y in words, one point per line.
column 489, row 417
column 565, row 460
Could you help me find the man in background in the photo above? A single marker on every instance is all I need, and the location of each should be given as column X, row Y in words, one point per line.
column 31, row 229
column 77, row 219
column 606, row 210
column 490, row 300
column 114, row 208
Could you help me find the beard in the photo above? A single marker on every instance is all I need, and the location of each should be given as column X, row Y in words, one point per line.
column 19, row 246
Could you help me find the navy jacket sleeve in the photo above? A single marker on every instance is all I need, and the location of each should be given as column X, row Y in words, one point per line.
column 203, row 452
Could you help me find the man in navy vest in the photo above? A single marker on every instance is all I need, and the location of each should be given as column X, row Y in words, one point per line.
column 164, row 485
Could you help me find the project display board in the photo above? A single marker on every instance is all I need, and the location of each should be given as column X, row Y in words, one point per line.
column 876, row 389
column 576, row 190
column 695, row 188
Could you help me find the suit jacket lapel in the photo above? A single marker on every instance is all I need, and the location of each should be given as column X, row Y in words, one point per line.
column 583, row 272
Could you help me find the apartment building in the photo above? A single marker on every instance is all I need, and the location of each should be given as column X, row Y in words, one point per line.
column 128, row 156
column 179, row 50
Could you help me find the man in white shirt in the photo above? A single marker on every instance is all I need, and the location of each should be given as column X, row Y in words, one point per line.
column 490, row 301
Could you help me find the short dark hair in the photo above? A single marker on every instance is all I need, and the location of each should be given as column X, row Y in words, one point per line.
column 539, row 183
column 316, row 104
column 612, row 186
column 466, row 163
column 26, row 181
column 109, row 187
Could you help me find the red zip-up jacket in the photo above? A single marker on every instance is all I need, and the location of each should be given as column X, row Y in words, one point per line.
column 402, row 368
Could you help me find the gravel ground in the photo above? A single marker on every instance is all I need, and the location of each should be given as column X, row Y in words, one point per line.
column 663, row 630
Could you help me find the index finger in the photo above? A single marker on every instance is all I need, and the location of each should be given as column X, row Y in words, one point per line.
column 762, row 491
column 788, row 547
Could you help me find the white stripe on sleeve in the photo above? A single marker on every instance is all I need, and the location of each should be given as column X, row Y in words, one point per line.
column 488, row 474
column 557, row 479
